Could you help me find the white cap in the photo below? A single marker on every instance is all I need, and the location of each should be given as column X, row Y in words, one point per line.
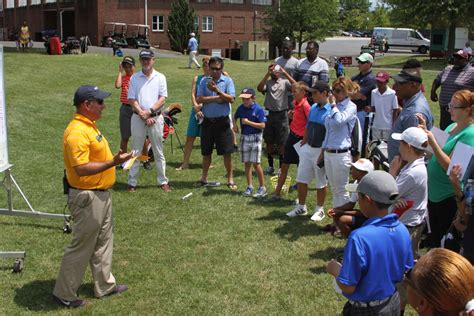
column 413, row 136
column 363, row 165
column 192, row 34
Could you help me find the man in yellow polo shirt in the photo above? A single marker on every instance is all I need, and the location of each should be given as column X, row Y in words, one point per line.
column 90, row 171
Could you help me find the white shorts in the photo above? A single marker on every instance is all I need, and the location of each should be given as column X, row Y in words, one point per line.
column 251, row 147
column 380, row 134
column 308, row 169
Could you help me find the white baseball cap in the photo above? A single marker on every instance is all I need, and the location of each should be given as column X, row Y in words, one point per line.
column 413, row 136
column 363, row 165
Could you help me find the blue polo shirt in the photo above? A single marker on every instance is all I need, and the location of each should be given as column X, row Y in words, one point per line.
column 315, row 126
column 376, row 257
column 214, row 109
column 366, row 83
column 254, row 113
column 407, row 118
column 193, row 44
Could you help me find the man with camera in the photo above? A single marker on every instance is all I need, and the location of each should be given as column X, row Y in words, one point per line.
column 90, row 173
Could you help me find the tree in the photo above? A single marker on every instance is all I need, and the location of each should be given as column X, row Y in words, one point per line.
column 379, row 17
column 300, row 19
column 353, row 14
column 439, row 13
column 180, row 24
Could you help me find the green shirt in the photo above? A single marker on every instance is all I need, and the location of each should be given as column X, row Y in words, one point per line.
column 439, row 186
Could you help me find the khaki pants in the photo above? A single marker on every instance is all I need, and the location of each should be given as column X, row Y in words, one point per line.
column 92, row 243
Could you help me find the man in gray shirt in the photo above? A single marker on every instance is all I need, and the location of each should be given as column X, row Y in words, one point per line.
column 286, row 60
column 276, row 90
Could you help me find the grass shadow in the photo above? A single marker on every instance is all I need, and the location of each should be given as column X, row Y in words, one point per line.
column 298, row 227
column 328, row 253
column 37, row 296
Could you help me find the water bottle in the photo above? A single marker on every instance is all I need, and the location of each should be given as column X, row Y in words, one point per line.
column 469, row 195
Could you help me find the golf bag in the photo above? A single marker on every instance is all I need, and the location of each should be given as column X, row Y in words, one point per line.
column 378, row 151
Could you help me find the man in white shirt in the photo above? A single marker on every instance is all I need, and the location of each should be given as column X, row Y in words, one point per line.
column 147, row 94
column 467, row 49
column 385, row 105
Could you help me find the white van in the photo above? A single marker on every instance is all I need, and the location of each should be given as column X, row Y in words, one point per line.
column 403, row 38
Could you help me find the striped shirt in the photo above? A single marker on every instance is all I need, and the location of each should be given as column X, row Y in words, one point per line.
column 452, row 80
column 124, row 92
column 312, row 72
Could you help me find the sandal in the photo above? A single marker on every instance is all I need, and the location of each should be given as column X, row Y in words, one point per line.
column 181, row 168
column 200, row 183
column 232, row 186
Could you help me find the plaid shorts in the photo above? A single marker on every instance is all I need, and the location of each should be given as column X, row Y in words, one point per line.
column 251, row 147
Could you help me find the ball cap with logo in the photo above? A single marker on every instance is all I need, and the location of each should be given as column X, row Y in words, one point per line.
column 247, row 93
column 128, row 60
column 382, row 76
column 146, row 54
column 363, row 165
column 365, row 58
column 88, row 92
column 379, row 185
column 413, row 136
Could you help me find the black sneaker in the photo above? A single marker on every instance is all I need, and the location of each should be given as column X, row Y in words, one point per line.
column 69, row 304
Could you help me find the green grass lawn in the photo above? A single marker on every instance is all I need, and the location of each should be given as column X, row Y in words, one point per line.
column 215, row 253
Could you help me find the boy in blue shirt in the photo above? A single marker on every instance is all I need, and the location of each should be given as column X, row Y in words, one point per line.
column 252, row 122
column 376, row 255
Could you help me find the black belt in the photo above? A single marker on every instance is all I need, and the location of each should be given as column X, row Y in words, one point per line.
column 99, row 190
column 270, row 111
column 215, row 119
column 369, row 304
column 337, row 151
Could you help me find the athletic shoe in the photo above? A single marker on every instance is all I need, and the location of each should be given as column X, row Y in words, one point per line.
column 119, row 288
column 298, row 210
column 261, row 192
column 272, row 198
column 294, row 187
column 270, row 171
column 248, row 191
column 147, row 165
column 73, row 304
column 318, row 214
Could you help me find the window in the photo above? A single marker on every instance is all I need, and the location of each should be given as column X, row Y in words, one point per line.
column 232, row 1
column 204, row 1
column 35, row 2
column 207, row 23
column 22, row 3
column 262, row 2
column 158, row 23
column 50, row 1
column 10, row 4
column 196, row 23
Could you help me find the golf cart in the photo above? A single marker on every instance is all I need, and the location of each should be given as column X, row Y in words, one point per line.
column 138, row 36
column 114, row 33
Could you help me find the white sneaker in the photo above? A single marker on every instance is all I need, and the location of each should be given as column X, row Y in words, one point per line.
column 318, row 214
column 261, row 192
column 298, row 210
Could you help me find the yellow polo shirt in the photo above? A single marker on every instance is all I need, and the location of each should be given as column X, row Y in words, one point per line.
column 83, row 143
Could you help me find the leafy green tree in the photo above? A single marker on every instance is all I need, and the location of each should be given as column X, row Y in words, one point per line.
column 379, row 17
column 302, row 20
column 180, row 24
column 353, row 14
column 439, row 13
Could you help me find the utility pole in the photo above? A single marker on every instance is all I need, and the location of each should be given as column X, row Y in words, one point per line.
column 146, row 12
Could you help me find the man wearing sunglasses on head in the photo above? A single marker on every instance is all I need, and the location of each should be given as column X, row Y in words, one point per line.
column 366, row 80
column 90, row 173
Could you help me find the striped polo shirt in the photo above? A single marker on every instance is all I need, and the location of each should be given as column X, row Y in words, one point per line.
column 310, row 72
column 452, row 80
column 124, row 92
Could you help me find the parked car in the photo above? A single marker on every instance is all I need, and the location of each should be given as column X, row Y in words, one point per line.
column 402, row 38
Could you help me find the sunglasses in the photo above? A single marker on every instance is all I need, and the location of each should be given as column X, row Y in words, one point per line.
column 100, row 102
column 362, row 62
column 451, row 106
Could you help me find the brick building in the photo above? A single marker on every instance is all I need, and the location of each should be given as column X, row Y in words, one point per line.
column 222, row 23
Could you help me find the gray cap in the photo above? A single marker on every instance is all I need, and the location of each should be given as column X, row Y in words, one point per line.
column 88, row 92
column 379, row 185
column 406, row 75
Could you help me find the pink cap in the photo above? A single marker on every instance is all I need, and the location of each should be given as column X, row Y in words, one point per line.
column 461, row 53
column 382, row 76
